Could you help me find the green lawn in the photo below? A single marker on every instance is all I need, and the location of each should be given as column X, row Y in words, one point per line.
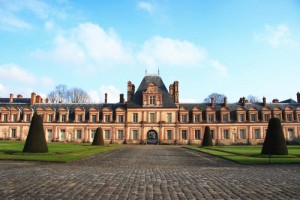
column 58, row 152
column 250, row 154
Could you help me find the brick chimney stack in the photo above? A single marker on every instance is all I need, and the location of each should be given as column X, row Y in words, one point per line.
column 105, row 98
column 129, row 91
column 225, row 101
column 275, row 101
column 19, row 96
column 11, row 98
column 39, row 99
column 298, row 97
column 33, row 98
column 47, row 100
column 176, row 92
column 122, row 98
column 212, row 101
column 171, row 91
column 244, row 101
column 264, row 101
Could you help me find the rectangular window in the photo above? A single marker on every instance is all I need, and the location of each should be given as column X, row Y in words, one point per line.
column 211, row 118
column 253, row 117
column 94, row 117
column 152, row 117
column 184, row 134
column 152, row 100
column 63, row 134
column 212, row 133
column 242, row 134
column 14, row 117
column 197, row 134
column 197, row 118
column 78, row 134
column 267, row 117
column 93, row 131
column 289, row 117
column 135, row 134
column 226, row 134
column 225, row 118
column 169, row 134
column 50, row 118
column 257, row 134
column 241, row 118
column 107, row 118
column 79, row 118
column 183, row 118
column 169, row 116
column 13, row 133
column 50, row 136
column 135, row 117
column 120, row 134
column 277, row 115
column 64, row 118
column 121, row 118
column 5, row 117
column 27, row 117
column 107, row 134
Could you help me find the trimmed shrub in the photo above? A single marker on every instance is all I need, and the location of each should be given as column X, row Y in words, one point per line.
column 274, row 143
column 98, row 137
column 36, row 141
column 207, row 140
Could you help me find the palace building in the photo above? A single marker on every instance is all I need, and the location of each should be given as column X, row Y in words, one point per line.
column 151, row 114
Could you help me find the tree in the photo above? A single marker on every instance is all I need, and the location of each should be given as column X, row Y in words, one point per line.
column 36, row 141
column 219, row 98
column 207, row 140
column 61, row 94
column 98, row 137
column 77, row 95
column 274, row 143
column 253, row 99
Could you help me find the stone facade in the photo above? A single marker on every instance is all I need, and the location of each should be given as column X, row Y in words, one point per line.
column 152, row 114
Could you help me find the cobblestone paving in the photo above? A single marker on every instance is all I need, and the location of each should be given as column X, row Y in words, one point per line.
column 148, row 172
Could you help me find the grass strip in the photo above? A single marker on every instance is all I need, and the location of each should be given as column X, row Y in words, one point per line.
column 247, row 160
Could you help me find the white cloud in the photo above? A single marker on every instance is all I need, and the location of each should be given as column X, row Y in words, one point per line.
column 18, row 80
column 12, row 72
column 146, row 6
column 220, row 68
column 279, row 35
column 113, row 94
column 87, row 43
column 166, row 51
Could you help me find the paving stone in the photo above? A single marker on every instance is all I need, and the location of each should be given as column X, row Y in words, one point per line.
column 148, row 172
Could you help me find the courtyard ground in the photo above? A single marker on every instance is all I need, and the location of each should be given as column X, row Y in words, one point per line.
column 148, row 172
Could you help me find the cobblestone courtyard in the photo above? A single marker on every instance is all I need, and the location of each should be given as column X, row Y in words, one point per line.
column 148, row 172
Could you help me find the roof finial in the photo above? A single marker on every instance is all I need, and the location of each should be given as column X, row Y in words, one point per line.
column 158, row 71
column 145, row 71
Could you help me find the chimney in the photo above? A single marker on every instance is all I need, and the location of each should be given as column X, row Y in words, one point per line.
column 212, row 101
column 264, row 101
column 33, row 98
column 129, row 91
column 133, row 89
column 105, row 96
column 298, row 97
column 11, row 98
column 275, row 101
column 225, row 101
column 47, row 100
column 121, row 98
column 171, row 90
column 176, row 91
column 19, row 96
column 38, row 99
column 244, row 101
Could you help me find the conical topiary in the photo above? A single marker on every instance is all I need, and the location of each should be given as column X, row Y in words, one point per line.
column 274, row 143
column 36, row 141
column 207, row 140
column 98, row 137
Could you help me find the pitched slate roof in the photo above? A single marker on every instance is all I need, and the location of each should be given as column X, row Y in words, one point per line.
column 288, row 101
column 137, row 99
column 15, row 100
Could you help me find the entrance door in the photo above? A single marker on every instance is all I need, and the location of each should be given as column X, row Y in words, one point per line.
column 152, row 137
column 291, row 134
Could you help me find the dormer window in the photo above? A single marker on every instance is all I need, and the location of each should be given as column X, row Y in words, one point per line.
column 152, row 100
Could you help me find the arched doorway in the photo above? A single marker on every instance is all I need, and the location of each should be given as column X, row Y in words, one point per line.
column 152, row 137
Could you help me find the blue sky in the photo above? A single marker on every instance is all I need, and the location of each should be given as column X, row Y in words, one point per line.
column 233, row 47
